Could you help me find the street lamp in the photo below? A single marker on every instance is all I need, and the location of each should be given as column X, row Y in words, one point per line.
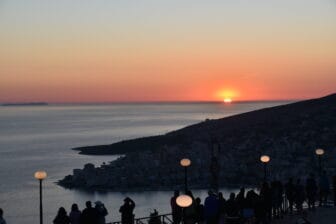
column 265, row 159
column 185, row 163
column 40, row 175
column 319, row 153
column 183, row 201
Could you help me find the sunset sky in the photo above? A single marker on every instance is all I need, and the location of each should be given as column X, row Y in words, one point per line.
column 166, row 50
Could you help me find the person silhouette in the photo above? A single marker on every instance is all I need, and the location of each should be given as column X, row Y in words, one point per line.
column 211, row 208
column 266, row 197
column 126, row 211
column 75, row 214
column 176, row 210
column 89, row 214
column 61, row 217
column 334, row 188
column 199, row 211
column 324, row 188
column 189, row 213
column 311, row 190
column 232, row 210
column 102, row 212
column 290, row 193
column 2, row 220
column 299, row 195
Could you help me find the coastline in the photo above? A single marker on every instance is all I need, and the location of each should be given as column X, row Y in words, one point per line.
column 288, row 133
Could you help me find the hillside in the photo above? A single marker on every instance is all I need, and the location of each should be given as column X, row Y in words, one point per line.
column 289, row 134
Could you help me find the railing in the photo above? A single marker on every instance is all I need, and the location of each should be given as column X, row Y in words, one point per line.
column 167, row 218
column 163, row 219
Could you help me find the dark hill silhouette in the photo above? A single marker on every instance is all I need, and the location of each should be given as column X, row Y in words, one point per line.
column 308, row 116
column 289, row 134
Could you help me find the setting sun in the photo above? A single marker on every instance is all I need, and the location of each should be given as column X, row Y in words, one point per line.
column 226, row 95
column 227, row 100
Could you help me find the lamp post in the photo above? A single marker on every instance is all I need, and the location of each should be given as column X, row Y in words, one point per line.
column 214, row 164
column 319, row 153
column 183, row 201
column 265, row 159
column 40, row 175
column 185, row 163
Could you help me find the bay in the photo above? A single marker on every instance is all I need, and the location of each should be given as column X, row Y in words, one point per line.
column 40, row 138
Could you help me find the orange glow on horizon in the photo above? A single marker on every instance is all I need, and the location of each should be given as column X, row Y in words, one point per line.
column 227, row 95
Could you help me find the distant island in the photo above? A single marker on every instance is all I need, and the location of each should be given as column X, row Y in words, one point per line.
column 289, row 134
column 25, row 104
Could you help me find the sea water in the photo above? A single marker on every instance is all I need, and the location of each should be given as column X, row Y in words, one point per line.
column 40, row 138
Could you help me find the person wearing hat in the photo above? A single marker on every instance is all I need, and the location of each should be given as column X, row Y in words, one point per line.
column 102, row 212
column 126, row 211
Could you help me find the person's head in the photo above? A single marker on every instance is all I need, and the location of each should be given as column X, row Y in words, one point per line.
column 127, row 200
column 189, row 193
column 61, row 212
column 220, row 195
column 232, row 196
column 176, row 193
column 88, row 204
column 265, row 185
column 242, row 190
column 74, row 207
column 99, row 204
column 1, row 212
column 210, row 193
column 198, row 201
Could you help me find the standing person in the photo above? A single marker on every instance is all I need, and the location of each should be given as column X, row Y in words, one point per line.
column 324, row 188
column 211, row 208
column 89, row 214
column 126, row 211
column 190, row 211
column 311, row 190
column 199, row 211
column 299, row 195
column 240, row 198
column 75, row 214
column 334, row 188
column 2, row 220
column 102, row 212
column 176, row 210
column 249, row 204
column 290, row 192
column 222, row 205
column 259, row 210
column 280, row 198
column 232, row 210
column 266, row 197
column 61, row 217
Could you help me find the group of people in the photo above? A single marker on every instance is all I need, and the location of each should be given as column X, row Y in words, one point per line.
column 89, row 215
column 272, row 201
column 94, row 215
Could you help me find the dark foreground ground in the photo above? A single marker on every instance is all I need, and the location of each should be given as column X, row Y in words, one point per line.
column 322, row 215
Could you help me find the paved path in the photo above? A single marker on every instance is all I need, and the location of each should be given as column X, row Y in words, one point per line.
column 320, row 216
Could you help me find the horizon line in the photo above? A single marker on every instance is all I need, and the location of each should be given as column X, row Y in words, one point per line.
column 152, row 102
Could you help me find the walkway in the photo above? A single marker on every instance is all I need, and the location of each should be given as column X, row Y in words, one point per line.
column 320, row 216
